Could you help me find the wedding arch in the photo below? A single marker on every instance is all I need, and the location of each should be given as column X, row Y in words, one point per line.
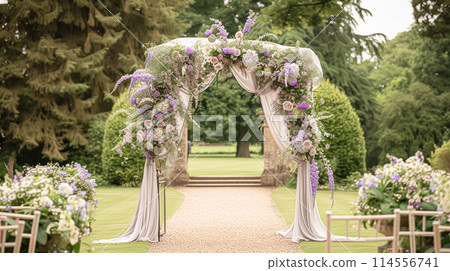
column 164, row 93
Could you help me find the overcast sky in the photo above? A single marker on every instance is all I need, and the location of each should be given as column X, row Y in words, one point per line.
column 389, row 17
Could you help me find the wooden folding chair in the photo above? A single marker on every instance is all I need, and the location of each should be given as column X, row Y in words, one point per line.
column 437, row 229
column 360, row 218
column 18, row 235
column 34, row 226
column 412, row 233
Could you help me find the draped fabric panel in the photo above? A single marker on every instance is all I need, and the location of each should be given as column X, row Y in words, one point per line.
column 307, row 224
column 144, row 226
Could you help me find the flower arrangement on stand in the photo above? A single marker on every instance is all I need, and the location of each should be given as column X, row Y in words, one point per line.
column 65, row 195
column 400, row 184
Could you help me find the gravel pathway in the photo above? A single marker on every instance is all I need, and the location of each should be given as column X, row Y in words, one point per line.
column 225, row 219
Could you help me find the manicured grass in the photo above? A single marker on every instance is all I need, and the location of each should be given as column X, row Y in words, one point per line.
column 342, row 206
column 114, row 214
column 225, row 164
column 196, row 149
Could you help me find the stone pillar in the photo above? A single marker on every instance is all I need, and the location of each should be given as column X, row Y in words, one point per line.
column 274, row 172
column 179, row 174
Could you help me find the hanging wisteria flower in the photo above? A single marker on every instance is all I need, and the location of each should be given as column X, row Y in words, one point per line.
column 314, row 174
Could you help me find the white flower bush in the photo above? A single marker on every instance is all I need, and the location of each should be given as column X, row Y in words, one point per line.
column 65, row 195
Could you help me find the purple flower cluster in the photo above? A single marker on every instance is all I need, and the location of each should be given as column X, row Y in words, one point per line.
column 228, row 51
column 419, row 155
column 314, row 173
column 395, row 177
column 393, row 159
column 303, row 105
column 330, row 179
column 138, row 75
column 248, row 24
column 223, row 34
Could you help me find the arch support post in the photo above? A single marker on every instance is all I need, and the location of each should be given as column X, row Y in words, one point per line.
column 274, row 172
column 179, row 173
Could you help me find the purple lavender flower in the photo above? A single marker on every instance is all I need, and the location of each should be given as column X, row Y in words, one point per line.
column 303, row 105
column 250, row 20
column 393, row 159
column 170, row 110
column 274, row 86
column 83, row 193
column 156, row 94
column 314, row 174
column 372, row 184
column 293, row 83
column 74, row 187
column 189, row 50
column 148, row 156
column 395, row 177
column 133, row 101
column 266, row 53
column 159, row 115
column 228, row 51
column 208, row 32
column 359, row 183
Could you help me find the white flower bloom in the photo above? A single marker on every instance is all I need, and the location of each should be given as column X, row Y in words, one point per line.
column 65, row 189
column 148, row 124
column 46, row 202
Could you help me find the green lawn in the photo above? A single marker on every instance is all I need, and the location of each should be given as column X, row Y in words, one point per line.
column 196, row 149
column 114, row 213
column 342, row 206
column 225, row 164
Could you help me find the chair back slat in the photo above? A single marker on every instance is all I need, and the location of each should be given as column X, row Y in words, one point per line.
column 412, row 233
column 377, row 218
column 18, row 228
column 437, row 229
column 34, row 218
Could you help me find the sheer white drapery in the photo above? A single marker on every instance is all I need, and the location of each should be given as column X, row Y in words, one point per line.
column 144, row 226
column 307, row 224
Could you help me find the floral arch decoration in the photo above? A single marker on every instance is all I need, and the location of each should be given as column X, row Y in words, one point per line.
column 164, row 93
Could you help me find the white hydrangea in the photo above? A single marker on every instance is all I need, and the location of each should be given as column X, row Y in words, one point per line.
column 65, row 189
column 46, row 202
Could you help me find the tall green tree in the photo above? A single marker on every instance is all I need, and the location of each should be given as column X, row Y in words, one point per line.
column 59, row 61
column 432, row 17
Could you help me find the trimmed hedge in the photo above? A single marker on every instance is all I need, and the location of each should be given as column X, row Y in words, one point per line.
column 347, row 146
column 115, row 169
column 440, row 158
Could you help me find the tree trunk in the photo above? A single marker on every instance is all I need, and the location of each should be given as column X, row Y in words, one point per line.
column 242, row 147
